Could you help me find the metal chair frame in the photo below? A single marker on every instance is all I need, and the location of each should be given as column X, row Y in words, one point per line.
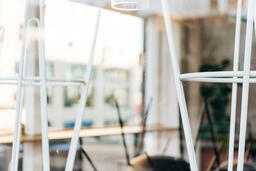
column 42, row 81
column 245, row 77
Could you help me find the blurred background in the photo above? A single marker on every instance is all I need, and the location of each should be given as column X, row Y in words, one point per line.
column 132, row 65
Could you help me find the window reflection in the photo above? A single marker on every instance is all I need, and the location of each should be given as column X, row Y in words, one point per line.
column 72, row 93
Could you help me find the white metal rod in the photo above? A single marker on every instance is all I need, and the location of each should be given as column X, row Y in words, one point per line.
column 211, row 74
column 43, row 91
column 220, row 80
column 49, row 83
column 8, row 83
column 17, row 131
column 39, row 79
column 245, row 91
column 9, row 78
column 56, row 83
column 70, row 80
column 83, row 99
column 62, row 82
column 204, row 77
column 36, row 79
column 215, row 74
column 234, row 88
column 53, row 83
column 20, row 98
column 179, row 87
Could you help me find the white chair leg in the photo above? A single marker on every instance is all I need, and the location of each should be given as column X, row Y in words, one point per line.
column 19, row 102
column 43, row 93
column 83, row 99
column 246, row 77
column 234, row 88
column 179, row 87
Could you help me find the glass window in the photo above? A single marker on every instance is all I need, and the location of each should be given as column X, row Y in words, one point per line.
column 77, row 71
column 72, row 93
column 72, row 96
column 116, row 85
column 116, row 75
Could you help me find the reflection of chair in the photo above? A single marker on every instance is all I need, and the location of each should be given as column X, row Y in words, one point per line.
column 22, row 80
column 245, row 77
column 233, row 77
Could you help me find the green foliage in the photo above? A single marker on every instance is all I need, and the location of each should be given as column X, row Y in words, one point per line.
column 217, row 95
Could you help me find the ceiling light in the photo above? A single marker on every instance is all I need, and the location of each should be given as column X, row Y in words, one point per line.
column 129, row 5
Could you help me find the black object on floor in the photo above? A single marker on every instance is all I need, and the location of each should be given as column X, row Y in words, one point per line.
column 158, row 163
